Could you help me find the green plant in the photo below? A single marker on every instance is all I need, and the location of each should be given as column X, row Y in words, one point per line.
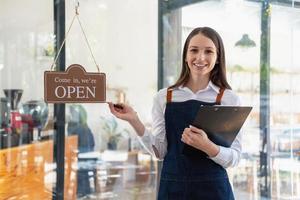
column 49, row 50
column 112, row 131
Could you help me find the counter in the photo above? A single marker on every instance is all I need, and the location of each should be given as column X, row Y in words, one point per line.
column 28, row 171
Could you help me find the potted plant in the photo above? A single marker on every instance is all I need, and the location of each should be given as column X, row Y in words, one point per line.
column 112, row 132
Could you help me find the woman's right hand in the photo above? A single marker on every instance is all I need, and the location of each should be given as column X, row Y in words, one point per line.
column 123, row 111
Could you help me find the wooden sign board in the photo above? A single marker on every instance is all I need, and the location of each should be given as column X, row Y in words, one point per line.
column 75, row 85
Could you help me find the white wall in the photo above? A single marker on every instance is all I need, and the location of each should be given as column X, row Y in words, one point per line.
column 23, row 27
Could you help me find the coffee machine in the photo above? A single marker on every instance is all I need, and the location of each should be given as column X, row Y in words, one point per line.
column 4, row 114
column 34, row 115
column 11, row 121
column 14, row 97
column 21, row 124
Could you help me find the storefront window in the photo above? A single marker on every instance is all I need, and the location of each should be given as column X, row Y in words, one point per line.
column 27, row 166
column 111, row 161
column 243, row 73
column 285, row 137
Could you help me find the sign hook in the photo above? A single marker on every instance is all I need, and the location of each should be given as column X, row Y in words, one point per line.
column 77, row 7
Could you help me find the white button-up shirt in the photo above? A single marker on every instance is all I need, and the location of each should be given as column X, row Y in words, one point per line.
column 157, row 135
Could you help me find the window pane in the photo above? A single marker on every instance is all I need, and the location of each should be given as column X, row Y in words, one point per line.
column 111, row 161
column 27, row 166
column 285, row 135
column 243, row 73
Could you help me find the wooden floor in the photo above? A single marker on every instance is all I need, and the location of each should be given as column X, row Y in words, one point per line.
column 130, row 191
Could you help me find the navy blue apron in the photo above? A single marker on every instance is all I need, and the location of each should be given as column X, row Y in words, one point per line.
column 188, row 173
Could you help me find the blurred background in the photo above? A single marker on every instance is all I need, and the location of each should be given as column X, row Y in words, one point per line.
column 80, row 151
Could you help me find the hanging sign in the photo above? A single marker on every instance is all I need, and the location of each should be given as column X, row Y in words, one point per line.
column 74, row 86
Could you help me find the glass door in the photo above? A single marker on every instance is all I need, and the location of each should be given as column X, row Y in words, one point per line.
column 27, row 164
column 262, row 68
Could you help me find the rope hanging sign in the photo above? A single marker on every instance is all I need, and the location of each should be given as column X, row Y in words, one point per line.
column 75, row 85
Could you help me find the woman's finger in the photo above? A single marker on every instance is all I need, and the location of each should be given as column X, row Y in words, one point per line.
column 113, row 110
column 111, row 107
column 110, row 104
column 196, row 130
column 187, row 137
column 184, row 138
column 119, row 108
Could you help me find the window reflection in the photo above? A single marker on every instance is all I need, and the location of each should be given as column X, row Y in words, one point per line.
column 125, row 49
column 27, row 166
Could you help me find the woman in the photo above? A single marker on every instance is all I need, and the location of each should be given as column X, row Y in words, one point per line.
column 193, row 166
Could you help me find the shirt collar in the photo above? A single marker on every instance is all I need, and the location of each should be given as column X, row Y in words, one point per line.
column 214, row 87
column 209, row 86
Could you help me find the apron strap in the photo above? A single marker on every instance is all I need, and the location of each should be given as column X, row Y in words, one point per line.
column 220, row 95
column 169, row 95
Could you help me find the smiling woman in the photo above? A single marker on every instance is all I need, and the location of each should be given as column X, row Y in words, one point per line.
column 201, row 58
column 198, row 171
column 275, row 179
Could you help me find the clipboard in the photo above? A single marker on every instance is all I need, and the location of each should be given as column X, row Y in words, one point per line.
column 221, row 123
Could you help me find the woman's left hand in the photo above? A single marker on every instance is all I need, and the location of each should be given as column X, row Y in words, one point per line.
column 198, row 139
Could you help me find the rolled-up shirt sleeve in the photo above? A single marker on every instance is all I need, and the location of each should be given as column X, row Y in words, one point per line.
column 230, row 157
column 156, row 136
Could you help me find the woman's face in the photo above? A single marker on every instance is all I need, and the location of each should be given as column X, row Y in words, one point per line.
column 201, row 56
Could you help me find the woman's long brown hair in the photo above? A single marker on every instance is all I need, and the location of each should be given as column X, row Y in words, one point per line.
column 218, row 74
